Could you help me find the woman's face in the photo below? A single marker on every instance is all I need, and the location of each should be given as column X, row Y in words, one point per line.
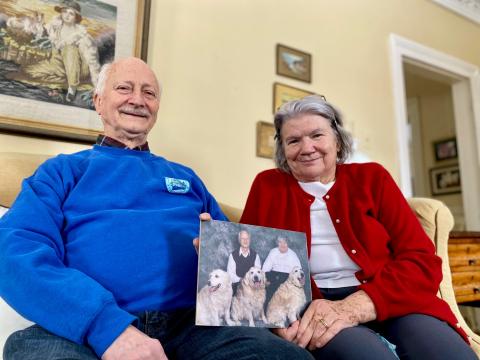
column 68, row 16
column 310, row 147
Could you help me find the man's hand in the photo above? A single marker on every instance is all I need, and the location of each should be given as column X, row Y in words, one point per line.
column 132, row 344
column 203, row 217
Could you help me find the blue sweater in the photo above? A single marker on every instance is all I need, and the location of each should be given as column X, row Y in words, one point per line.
column 99, row 235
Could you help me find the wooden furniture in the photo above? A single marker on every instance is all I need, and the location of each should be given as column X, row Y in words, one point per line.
column 464, row 257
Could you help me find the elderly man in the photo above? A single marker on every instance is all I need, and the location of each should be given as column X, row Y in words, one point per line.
column 97, row 249
column 242, row 259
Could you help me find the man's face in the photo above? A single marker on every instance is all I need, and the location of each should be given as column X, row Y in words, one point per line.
column 129, row 103
column 244, row 239
column 282, row 246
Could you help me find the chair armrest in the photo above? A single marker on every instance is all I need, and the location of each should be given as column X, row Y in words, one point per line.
column 437, row 221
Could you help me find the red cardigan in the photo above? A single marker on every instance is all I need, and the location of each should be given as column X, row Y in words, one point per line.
column 398, row 266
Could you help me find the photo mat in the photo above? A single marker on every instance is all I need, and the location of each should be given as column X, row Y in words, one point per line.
column 281, row 298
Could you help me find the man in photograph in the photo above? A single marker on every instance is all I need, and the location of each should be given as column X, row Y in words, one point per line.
column 242, row 259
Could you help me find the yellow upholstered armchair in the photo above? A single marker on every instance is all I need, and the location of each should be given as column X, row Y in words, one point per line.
column 434, row 216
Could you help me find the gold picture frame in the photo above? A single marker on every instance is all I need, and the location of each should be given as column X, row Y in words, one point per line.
column 265, row 139
column 284, row 93
column 35, row 111
column 294, row 63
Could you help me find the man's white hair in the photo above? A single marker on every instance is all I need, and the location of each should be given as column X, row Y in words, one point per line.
column 102, row 78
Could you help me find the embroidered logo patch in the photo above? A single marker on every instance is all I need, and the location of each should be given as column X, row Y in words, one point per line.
column 177, row 186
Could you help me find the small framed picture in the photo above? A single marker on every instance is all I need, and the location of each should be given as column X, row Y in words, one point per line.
column 294, row 63
column 283, row 93
column 265, row 139
column 445, row 180
column 445, row 149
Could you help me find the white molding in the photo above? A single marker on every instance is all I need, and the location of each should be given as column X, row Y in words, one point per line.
column 468, row 8
column 468, row 75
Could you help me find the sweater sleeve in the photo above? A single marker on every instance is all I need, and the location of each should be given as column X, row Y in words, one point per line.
column 404, row 283
column 34, row 277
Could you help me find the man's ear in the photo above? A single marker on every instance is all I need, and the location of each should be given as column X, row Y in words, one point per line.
column 97, row 101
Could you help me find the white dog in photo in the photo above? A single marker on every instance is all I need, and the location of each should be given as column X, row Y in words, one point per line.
column 288, row 300
column 214, row 300
column 249, row 300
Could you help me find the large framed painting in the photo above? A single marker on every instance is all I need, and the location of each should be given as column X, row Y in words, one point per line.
column 51, row 52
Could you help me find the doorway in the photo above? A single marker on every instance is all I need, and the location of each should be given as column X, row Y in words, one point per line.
column 434, row 166
column 459, row 82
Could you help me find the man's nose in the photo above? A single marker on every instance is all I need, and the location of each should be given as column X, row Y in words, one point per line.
column 137, row 98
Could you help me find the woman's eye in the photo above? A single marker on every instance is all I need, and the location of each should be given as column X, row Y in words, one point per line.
column 292, row 141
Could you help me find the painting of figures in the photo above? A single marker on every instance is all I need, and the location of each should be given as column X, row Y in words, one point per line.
column 52, row 50
column 51, row 53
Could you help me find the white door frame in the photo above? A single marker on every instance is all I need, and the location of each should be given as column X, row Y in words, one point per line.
column 466, row 99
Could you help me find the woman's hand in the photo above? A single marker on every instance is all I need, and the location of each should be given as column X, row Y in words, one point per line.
column 203, row 217
column 324, row 318
column 288, row 333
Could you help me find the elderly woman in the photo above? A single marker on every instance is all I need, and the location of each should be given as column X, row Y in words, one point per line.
column 373, row 267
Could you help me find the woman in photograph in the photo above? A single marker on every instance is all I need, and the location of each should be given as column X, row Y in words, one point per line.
column 374, row 270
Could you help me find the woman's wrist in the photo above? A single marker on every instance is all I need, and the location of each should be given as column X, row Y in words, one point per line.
column 359, row 307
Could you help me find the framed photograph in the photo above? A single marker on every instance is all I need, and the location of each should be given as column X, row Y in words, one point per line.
column 265, row 139
column 283, row 93
column 251, row 275
column 445, row 149
column 445, row 180
column 46, row 77
column 294, row 63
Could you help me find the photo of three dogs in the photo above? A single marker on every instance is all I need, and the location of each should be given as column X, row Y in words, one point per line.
column 251, row 304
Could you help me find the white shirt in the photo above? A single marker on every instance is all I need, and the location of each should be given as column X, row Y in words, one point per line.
column 281, row 262
column 232, row 266
column 330, row 265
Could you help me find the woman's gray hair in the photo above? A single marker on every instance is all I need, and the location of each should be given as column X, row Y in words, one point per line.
column 313, row 105
column 102, row 78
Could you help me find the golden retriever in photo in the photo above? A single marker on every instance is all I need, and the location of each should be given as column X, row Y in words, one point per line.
column 249, row 300
column 214, row 300
column 288, row 300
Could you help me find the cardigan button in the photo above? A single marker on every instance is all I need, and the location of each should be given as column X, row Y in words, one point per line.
column 364, row 281
column 337, row 221
column 458, row 325
column 354, row 251
column 327, row 197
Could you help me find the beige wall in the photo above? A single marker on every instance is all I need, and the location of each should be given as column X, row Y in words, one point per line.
column 216, row 59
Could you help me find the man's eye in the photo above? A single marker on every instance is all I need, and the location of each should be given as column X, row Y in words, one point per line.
column 150, row 94
column 123, row 88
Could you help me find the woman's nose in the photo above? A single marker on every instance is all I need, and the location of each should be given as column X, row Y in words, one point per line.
column 307, row 145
